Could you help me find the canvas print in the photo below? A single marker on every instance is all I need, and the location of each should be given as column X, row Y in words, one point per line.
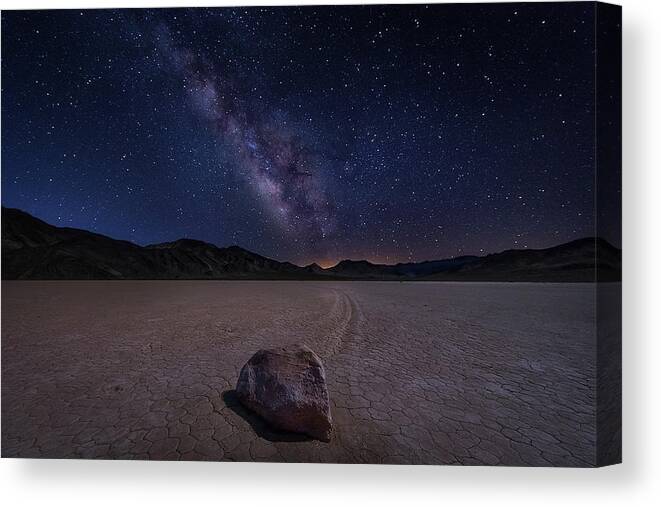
column 384, row 234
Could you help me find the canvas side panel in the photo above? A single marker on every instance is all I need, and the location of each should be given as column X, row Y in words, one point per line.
column 608, row 213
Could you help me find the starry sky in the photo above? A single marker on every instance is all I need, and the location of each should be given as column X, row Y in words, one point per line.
column 308, row 134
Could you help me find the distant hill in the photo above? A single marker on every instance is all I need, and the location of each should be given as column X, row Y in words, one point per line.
column 580, row 260
column 365, row 269
column 35, row 250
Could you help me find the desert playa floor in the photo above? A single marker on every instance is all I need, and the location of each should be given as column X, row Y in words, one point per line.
column 418, row 372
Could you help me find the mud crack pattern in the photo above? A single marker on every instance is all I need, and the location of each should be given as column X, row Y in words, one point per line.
column 435, row 373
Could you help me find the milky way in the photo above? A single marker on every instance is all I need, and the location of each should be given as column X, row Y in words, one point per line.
column 277, row 166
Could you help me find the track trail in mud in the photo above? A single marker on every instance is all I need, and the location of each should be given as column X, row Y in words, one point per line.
column 417, row 372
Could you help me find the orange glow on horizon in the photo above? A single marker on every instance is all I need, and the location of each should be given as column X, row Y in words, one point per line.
column 326, row 263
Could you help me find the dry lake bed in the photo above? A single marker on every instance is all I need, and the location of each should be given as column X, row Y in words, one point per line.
column 418, row 372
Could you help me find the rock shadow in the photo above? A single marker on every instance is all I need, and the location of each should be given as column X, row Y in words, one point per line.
column 259, row 425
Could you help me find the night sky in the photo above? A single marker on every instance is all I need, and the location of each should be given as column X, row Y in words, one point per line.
column 388, row 133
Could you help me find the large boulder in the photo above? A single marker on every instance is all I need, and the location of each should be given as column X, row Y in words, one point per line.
column 287, row 388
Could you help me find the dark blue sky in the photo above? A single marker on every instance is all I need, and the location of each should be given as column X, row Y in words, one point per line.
column 306, row 134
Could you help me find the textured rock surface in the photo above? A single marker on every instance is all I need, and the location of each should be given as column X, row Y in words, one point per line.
column 287, row 388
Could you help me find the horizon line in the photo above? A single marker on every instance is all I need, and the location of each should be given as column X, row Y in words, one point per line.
column 347, row 259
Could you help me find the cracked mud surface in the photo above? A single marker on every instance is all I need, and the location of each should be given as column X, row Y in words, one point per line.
column 434, row 373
